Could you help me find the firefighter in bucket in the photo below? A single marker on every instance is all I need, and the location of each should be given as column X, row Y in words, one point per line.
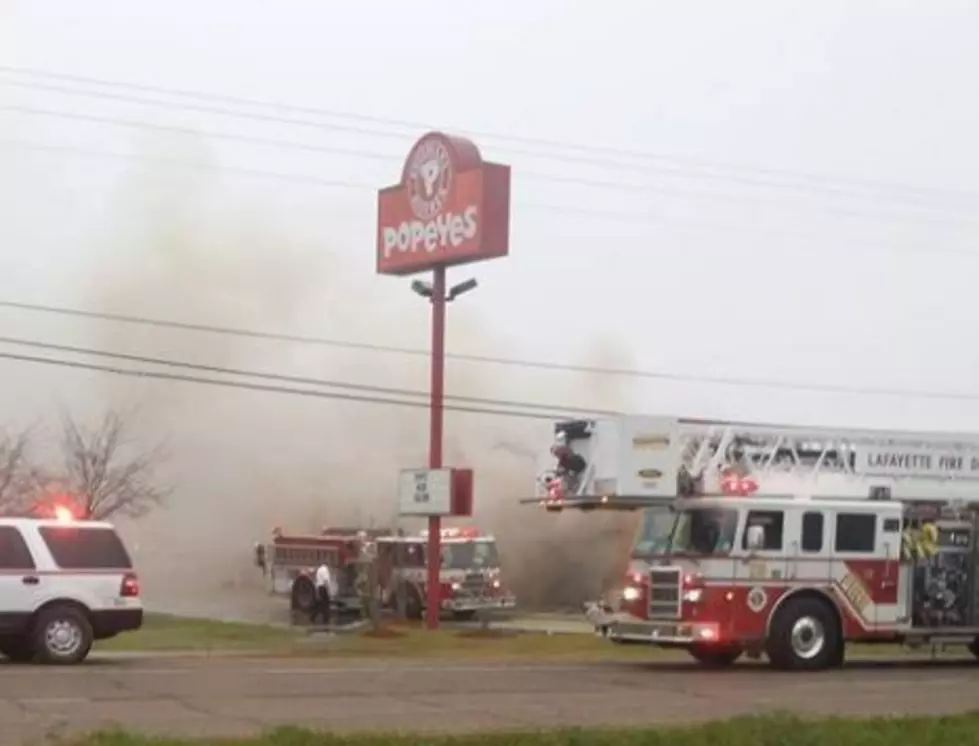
column 565, row 479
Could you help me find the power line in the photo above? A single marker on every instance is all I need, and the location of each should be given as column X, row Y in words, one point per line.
column 195, row 165
column 318, row 181
column 283, row 378
column 823, row 187
column 489, row 359
column 574, row 210
column 539, row 142
column 267, row 388
column 553, row 178
column 272, row 141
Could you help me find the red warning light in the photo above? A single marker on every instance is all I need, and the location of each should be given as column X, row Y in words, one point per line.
column 735, row 484
column 63, row 513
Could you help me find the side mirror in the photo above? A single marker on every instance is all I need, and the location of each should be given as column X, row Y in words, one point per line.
column 756, row 538
column 260, row 556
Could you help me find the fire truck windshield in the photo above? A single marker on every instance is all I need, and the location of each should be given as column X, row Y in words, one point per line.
column 469, row 555
column 653, row 536
column 704, row 531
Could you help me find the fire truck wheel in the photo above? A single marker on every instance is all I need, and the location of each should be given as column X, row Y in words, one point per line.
column 804, row 636
column 713, row 656
column 303, row 595
column 413, row 605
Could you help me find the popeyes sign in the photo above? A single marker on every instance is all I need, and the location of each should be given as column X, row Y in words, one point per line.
column 451, row 207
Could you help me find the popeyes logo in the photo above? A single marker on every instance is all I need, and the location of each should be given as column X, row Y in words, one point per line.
column 429, row 178
column 451, row 207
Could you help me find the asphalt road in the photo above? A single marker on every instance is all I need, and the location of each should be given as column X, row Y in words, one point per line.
column 232, row 696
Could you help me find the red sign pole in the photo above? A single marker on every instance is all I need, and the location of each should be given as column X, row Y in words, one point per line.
column 449, row 208
column 435, row 442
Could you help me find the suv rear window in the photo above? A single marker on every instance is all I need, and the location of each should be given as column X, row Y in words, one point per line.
column 77, row 548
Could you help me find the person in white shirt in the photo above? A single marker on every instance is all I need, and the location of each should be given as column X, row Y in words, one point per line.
column 325, row 590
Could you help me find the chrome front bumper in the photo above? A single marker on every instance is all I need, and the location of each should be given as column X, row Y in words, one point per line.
column 479, row 604
column 622, row 627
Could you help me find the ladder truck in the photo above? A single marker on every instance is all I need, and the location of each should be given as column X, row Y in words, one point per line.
column 785, row 541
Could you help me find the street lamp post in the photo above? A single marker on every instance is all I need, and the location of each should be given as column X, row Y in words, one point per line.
column 438, row 297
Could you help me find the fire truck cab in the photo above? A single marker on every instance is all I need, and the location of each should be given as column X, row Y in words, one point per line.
column 784, row 541
column 470, row 576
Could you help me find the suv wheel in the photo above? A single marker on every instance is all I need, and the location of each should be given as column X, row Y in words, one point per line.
column 62, row 636
column 17, row 648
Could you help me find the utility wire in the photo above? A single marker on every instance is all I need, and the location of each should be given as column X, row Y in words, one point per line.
column 490, row 359
column 573, row 210
column 282, row 378
column 630, row 165
column 268, row 388
column 552, row 178
column 630, row 155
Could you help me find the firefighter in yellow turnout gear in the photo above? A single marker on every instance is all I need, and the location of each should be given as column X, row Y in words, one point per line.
column 919, row 543
column 365, row 580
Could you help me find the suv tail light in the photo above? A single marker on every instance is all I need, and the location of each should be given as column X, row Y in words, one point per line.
column 130, row 586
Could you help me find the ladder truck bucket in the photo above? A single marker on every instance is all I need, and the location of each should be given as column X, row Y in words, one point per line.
column 621, row 463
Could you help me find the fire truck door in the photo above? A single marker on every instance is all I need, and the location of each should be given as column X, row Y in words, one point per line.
column 866, row 564
column 809, row 555
column 767, row 560
column 892, row 595
column 760, row 568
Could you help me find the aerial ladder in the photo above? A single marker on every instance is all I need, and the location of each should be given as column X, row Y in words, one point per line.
column 630, row 462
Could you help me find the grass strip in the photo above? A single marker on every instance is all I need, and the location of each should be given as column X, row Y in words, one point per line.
column 163, row 633
column 174, row 634
column 776, row 730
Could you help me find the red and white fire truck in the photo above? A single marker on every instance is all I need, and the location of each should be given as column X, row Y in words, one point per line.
column 787, row 541
column 470, row 576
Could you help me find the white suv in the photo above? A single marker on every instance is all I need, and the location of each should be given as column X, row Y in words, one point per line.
column 63, row 585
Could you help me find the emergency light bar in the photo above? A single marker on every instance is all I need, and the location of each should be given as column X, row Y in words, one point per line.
column 467, row 532
column 596, row 502
column 63, row 514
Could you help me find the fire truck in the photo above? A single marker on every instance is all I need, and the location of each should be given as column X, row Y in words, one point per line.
column 289, row 563
column 470, row 576
column 785, row 541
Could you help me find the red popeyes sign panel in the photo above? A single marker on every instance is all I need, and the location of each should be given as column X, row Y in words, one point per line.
column 451, row 207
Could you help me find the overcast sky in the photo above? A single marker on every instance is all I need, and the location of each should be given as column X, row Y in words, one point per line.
column 794, row 199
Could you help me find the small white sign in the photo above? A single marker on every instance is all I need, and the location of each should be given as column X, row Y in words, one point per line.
column 425, row 492
column 648, row 457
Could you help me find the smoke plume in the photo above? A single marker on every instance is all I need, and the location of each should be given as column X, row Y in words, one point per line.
column 244, row 461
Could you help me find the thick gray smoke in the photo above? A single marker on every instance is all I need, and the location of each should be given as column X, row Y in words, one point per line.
column 243, row 462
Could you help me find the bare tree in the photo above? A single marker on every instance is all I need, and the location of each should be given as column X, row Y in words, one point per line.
column 106, row 474
column 18, row 479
